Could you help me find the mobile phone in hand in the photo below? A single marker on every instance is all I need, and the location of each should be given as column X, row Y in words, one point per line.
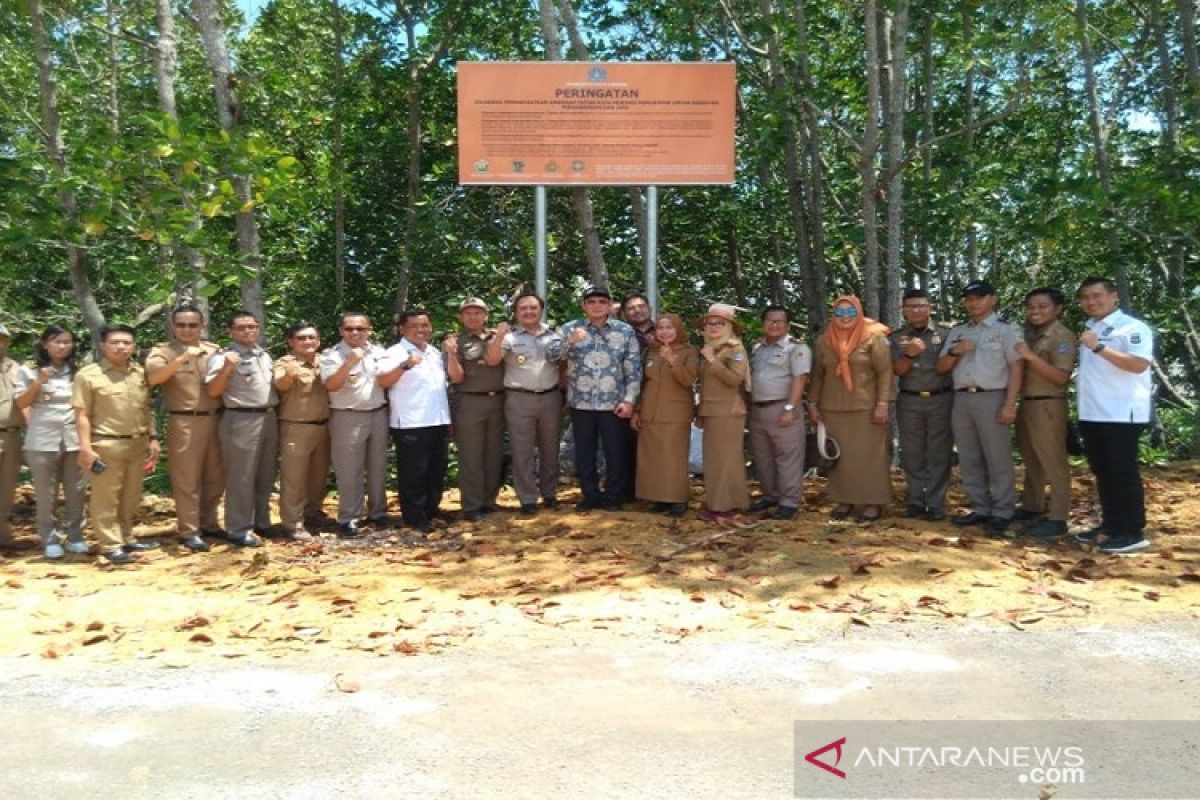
column 98, row 466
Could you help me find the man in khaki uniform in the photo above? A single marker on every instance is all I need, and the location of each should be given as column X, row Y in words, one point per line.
column 117, row 441
column 477, row 409
column 303, row 431
column 779, row 367
column 241, row 376
column 11, row 422
column 1049, row 351
column 193, row 450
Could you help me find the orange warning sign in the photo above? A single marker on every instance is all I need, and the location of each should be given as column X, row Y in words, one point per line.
column 590, row 123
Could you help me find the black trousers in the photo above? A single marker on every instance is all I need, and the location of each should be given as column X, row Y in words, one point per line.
column 593, row 430
column 421, row 457
column 1112, row 453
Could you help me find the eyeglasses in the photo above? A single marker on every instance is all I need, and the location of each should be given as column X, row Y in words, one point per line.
column 845, row 311
column 355, row 330
column 716, row 323
column 306, row 336
column 186, row 324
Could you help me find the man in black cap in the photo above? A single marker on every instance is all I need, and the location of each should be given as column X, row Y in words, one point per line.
column 604, row 378
column 982, row 356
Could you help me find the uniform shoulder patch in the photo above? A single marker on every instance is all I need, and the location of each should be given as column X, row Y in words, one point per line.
column 739, row 356
column 1062, row 348
column 1135, row 338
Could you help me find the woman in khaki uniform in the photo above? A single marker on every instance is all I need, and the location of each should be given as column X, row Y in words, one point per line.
column 303, row 432
column 850, row 391
column 663, row 418
column 724, row 370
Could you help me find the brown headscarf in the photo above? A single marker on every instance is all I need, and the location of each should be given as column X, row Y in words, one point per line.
column 843, row 341
column 681, row 332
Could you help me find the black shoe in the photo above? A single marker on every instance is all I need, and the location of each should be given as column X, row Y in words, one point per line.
column 348, row 530
column 216, row 533
column 528, row 509
column 587, row 505
column 762, row 504
column 936, row 515
column 492, row 508
column 246, row 539
column 550, row 503
column 1048, row 529
column 914, row 511
column 424, row 527
column 840, row 512
column 472, row 516
column 676, row 510
column 1091, row 535
column 119, row 557
column 273, row 532
column 195, row 544
column 784, row 512
column 998, row 527
column 1024, row 515
column 612, row 505
column 659, row 508
column 974, row 518
column 138, row 546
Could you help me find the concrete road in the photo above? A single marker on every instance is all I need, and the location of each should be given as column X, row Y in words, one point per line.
column 602, row 717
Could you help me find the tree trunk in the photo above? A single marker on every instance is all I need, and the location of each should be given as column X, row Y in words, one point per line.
column 781, row 91
column 1100, row 147
column 926, row 150
column 339, row 187
column 113, row 27
column 866, row 166
column 404, row 267
column 1191, row 62
column 166, row 68
column 969, row 133
column 898, row 90
column 580, row 199
column 230, row 115
column 52, row 139
column 814, row 276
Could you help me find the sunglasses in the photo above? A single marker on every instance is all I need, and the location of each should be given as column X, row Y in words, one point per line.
column 356, row 330
column 187, row 324
column 845, row 311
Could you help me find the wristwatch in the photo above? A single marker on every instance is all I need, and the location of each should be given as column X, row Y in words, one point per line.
column 1099, row 347
column 788, row 407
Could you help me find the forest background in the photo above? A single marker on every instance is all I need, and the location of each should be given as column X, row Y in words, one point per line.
column 304, row 161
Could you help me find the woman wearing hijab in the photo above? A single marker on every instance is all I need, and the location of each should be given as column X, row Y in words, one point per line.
column 52, row 442
column 850, row 390
column 663, row 418
column 723, row 373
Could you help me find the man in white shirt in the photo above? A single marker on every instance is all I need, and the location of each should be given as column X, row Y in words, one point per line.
column 420, row 420
column 1114, row 388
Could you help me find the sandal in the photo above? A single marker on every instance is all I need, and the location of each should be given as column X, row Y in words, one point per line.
column 865, row 517
column 841, row 512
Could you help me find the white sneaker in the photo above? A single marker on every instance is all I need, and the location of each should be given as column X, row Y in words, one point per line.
column 78, row 547
column 1121, row 547
column 55, row 551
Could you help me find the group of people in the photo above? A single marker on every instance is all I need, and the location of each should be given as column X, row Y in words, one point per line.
column 633, row 388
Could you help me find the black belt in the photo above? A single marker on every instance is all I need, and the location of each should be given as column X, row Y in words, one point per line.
column 928, row 392
column 6, row 430
column 254, row 410
column 764, row 403
column 488, row 394
column 114, row 436
column 361, row 410
column 1046, row 397
column 195, row 413
column 305, row 421
column 531, row 391
column 975, row 389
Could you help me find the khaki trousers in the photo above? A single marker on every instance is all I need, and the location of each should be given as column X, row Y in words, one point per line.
column 1042, row 440
column 10, row 465
column 197, row 476
column 303, row 471
column 117, row 491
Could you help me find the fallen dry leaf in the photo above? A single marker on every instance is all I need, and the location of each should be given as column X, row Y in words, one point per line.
column 344, row 684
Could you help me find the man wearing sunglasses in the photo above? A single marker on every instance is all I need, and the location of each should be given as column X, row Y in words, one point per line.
column 356, row 374
column 193, row 451
column 242, row 375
